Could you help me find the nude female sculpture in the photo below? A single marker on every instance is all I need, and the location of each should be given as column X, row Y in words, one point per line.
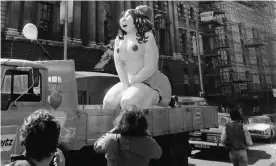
column 136, row 60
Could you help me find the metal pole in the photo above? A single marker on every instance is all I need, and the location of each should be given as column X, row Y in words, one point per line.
column 199, row 63
column 65, row 29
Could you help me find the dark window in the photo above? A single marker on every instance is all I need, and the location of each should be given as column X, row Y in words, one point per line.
column 181, row 10
column 162, row 34
column 240, row 29
column 244, row 53
column 255, row 33
column 192, row 13
column 184, row 42
column 46, row 20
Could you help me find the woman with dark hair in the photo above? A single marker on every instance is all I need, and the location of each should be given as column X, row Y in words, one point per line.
column 136, row 60
column 40, row 136
column 129, row 143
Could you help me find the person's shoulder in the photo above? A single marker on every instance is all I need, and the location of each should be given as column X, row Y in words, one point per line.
column 149, row 139
column 19, row 163
column 111, row 138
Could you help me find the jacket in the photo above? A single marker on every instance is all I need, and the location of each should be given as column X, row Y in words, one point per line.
column 134, row 151
column 23, row 160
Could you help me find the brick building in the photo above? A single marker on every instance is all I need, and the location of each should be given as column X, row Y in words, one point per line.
column 238, row 65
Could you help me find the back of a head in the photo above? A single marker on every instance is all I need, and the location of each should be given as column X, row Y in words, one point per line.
column 235, row 115
column 132, row 122
column 40, row 135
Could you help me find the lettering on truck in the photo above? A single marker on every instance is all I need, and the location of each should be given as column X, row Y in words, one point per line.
column 7, row 141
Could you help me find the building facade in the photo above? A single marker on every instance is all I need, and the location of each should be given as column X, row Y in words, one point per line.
column 238, row 41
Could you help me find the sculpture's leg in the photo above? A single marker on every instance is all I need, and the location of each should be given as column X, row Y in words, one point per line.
column 113, row 97
column 140, row 95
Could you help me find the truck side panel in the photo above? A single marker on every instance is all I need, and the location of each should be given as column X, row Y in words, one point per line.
column 210, row 117
column 161, row 120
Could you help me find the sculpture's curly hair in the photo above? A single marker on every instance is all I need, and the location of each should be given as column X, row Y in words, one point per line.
column 40, row 135
column 132, row 122
column 142, row 24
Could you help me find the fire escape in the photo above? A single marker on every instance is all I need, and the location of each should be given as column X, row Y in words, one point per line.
column 226, row 74
column 216, row 51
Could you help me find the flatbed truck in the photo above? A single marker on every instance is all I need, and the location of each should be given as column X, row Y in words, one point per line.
column 26, row 86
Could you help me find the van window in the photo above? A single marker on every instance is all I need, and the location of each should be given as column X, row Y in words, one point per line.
column 54, row 83
column 16, row 87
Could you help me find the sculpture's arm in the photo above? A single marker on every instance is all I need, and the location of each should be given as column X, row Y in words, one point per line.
column 120, row 67
column 151, row 58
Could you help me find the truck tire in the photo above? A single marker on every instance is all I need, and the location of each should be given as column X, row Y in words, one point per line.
column 88, row 156
column 180, row 149
column 175, row 150
column 164, row 142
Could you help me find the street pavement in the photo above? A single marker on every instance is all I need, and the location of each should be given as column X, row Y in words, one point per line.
column 262, row 153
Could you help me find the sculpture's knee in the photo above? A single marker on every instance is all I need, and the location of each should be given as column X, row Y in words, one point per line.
column 110, row 104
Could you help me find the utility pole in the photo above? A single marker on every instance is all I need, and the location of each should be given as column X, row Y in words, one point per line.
column 198, row 50
column 65, row 29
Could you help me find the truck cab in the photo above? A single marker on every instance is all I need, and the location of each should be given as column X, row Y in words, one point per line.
column 24, row 89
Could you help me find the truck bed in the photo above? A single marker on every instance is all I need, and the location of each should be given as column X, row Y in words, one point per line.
column 95, row 121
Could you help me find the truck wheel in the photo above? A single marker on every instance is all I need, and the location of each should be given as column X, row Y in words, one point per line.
column 180, row 149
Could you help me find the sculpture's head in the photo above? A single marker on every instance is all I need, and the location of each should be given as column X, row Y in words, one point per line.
column 134, row 21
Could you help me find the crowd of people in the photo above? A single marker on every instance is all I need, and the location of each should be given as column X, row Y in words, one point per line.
column 226, row 109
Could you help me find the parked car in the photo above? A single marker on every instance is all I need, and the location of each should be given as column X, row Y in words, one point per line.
column 261, row 127
column 189, row 100
column 208, row 138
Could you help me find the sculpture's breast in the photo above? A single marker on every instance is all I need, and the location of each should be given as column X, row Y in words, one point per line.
column 130, row 50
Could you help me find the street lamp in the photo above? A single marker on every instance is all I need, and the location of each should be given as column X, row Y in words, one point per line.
column 198, row 50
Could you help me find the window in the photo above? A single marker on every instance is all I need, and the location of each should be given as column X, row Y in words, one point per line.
column 192, row 13
column 255, row 33
column 160, row 5
column 19, row 86
column 244, row 53
column 162, row 34
column 46, row 20
column 54, row 83
column 181, row 10
column 183, row 42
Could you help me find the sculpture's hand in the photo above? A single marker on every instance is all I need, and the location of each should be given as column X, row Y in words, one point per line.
column 126, row 85
column 132, row 80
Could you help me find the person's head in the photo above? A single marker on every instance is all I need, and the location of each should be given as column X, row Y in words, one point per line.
column 134, row 21
column 132, row 122
column 235, row 115
column 40, row 135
